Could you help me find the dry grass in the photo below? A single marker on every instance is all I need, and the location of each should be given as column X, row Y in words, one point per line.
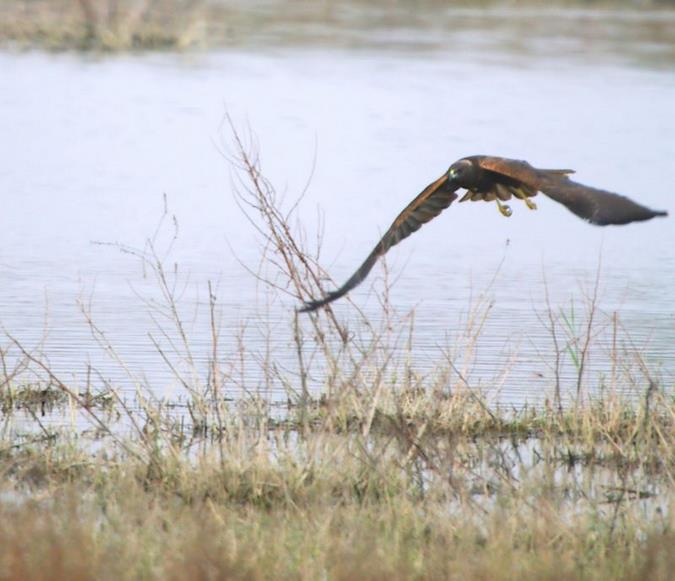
column 123, row 25
column 142, row 536
column 261, row 503
column 371, row 470
column 106, row 25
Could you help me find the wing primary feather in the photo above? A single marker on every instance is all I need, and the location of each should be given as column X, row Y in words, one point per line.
column 599, row 207
column 435, row 198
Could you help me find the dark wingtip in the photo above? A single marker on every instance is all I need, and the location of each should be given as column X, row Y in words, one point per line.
column 656, row 214
column 311, row 306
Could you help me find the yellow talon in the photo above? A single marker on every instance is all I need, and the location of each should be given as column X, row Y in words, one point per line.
column 504, row 209
column 521, row 195
column 530, row 204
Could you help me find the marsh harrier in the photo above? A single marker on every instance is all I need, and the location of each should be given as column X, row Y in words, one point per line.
column 496, row 179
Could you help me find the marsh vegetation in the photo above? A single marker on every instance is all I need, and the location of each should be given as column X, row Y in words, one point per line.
column 124, row 25
column 367, row 468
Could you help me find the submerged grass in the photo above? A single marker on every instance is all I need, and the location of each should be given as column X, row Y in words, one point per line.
column 586, row 498
column 368, row 470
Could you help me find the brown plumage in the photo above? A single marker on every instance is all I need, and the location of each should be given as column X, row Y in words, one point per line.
column 496, row 179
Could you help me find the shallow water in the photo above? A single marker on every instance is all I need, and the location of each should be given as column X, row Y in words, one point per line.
column 90, row 145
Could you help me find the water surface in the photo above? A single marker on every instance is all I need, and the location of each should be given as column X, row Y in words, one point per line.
column 90, row 145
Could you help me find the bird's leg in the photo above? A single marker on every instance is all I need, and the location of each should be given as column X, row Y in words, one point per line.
column 504, row 209
column 521, row 195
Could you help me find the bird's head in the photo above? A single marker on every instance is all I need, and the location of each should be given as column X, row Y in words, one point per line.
column 463, row 174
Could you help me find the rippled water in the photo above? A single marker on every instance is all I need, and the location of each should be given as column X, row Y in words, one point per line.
column 90, row 145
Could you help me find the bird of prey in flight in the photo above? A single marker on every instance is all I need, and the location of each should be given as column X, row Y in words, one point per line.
column 496, row 179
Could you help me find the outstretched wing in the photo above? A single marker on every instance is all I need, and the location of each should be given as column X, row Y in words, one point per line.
column 597, row 206
column 435, row 198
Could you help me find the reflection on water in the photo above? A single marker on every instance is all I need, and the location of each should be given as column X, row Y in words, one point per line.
column 89, row 147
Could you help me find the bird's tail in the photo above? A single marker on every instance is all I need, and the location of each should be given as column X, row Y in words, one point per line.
column 560, row 172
